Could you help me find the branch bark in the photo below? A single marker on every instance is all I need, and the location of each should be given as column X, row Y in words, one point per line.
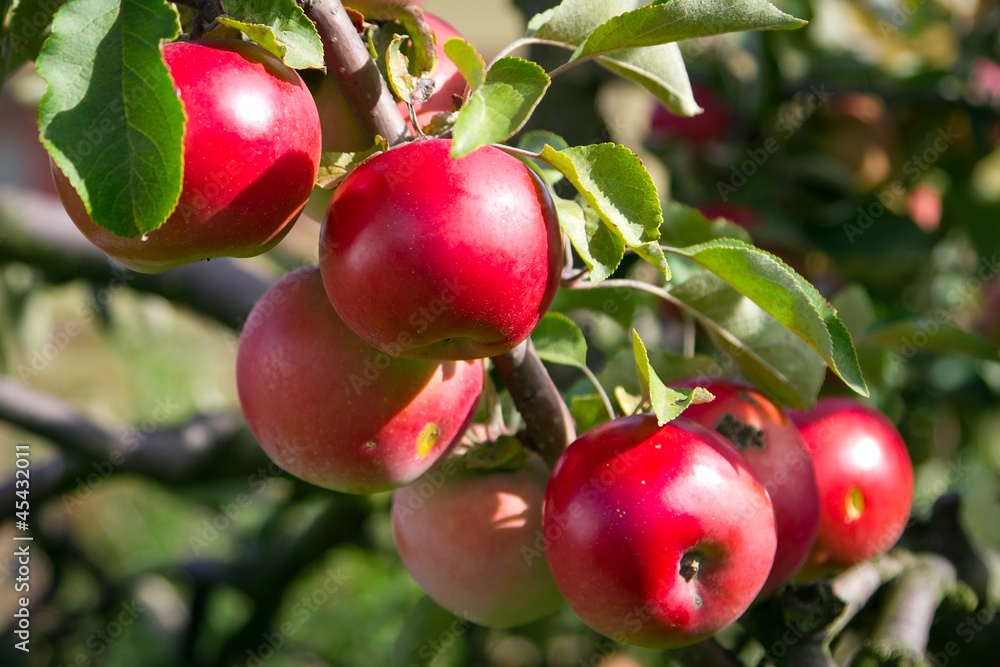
column 348, row 60
column 547, row 420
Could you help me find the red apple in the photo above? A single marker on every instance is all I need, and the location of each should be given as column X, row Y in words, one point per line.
column 428, row 257
column 865, row 482
column 251, row 155
column 336, row 412
column 464, row 534
column 657, row 536
column 771, row 443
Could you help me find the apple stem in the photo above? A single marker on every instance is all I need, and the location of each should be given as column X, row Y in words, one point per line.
column 547, row 420
column 348, row 60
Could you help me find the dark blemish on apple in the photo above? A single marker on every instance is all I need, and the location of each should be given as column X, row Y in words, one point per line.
column 744, row 436
column 690, row 564
column 371, row 445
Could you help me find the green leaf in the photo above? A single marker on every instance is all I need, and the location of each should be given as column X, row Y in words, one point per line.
column 334, row 167
column 615, row 183
column 786, row 296
column 667, row 403
column 682, row 19
column 506, row 453
column 601, row 250
column 468, row 61
column 588, row 411
column 280, row 26
column 407, row 87
column 110, row 118
column 422, row 54
column 686, row 226
column 558, row 340
column 499, row 107
column 771, row 356
column 927, row 334
column 27, row 27
column 660, row 69
column 535, row 141
column 420, row 640
column 627, row 401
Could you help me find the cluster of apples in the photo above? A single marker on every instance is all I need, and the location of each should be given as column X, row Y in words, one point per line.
column 360, row 374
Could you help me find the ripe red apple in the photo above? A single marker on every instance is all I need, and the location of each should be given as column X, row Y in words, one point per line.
column 771, row 443
column 336, row 412
column 343, row 133
column 251, row 155
column 428, row 257
column 467, row 538
column 865, row 482
column 657, row 536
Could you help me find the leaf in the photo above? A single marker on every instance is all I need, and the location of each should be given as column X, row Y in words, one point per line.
column 599, row 248
column 534, row 142
column 770, row 355
column 588, row 411
column 467, row 60
column 614, row 181
column 280, row 26
column 667, row 403
column 420, row 640
column 660, row 69
column 506, row 453
column 558, row 340
column 110, row 118
column 499, row 107
column 27, row 27
column 682, row 19
column 786, row 296
column 628, row 402
column 422, row 54
column 927, row 334
column 334, row 167
column 686, row 226
column 407, row 87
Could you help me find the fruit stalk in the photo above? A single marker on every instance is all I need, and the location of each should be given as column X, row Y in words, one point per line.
column 348, row 60
column 547, row 419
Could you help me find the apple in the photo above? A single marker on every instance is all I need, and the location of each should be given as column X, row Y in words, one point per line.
column 251, row 155
column 428, row 257
column 464, row 534
column 334, row 411
column 865, row 482
column 657, row 536
column 343, row 133
column 771, row 443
